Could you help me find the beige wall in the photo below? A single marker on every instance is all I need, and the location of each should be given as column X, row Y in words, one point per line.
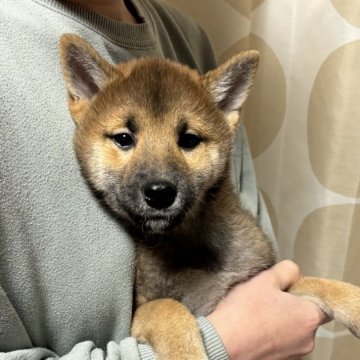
column 303, row 121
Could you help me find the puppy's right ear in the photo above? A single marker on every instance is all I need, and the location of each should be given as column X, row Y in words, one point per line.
column 85, row 73
column 231, row 82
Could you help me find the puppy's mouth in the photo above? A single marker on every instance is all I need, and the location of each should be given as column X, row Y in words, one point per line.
column 147, row 218
column 156, row 224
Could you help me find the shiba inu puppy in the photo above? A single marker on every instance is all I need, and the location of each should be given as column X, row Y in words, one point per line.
column 154, row 139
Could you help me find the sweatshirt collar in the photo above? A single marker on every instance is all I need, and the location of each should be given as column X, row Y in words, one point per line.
column 124, row 34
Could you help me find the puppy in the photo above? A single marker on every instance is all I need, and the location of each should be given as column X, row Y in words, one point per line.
column 154, row 140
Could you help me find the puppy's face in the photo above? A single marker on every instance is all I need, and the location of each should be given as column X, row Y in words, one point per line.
column 153, row 137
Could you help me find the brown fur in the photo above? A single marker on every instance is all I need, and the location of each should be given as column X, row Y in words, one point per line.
column 194, row 250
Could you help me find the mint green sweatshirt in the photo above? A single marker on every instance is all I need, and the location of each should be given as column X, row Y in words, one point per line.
column 66, row 267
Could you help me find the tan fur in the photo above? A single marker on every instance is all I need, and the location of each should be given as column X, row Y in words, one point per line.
column 163, row 315
column 189, row 254
column 78, row 106
column 337, row 299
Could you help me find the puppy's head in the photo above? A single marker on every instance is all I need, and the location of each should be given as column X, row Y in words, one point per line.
column 152, row 136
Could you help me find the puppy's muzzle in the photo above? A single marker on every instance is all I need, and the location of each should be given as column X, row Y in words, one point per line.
column 159, row 195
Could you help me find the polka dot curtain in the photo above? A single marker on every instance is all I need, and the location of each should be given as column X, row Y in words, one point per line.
column 303, row 122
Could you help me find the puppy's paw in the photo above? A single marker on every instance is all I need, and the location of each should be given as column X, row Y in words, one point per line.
column 169, row 327
column 338, row 300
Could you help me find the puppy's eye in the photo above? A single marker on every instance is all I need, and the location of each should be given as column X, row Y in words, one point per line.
column 124, row 141
column 188, row 141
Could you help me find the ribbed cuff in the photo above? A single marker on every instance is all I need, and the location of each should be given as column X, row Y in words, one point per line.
column 214, row 347
column 131, row 350
column 146, row 352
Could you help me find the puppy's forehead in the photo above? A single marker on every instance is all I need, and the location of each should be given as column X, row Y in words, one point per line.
column 160, row 86
column 153, row 92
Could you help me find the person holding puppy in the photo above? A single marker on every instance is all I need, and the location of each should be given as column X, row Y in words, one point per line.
column 66, row 266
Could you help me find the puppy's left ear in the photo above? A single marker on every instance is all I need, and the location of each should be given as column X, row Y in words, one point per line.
column 231, row 82
column 85, row 72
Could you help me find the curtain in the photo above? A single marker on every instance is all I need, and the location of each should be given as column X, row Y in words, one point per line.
column 303, row 123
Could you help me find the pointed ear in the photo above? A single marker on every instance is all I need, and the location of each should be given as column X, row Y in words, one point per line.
column 231, row 82
column 85, row 73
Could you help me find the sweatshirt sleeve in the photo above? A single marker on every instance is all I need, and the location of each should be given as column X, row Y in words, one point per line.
column 13, row 335
column 128, row 349
column 81, row 351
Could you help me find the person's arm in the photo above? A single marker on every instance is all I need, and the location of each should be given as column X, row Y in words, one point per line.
column 258, row 320
column 13, row 335
column 126, row 350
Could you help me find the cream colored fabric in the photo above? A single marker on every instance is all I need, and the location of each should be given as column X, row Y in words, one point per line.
column 303, row 121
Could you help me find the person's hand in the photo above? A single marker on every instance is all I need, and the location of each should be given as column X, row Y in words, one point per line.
column 257, row 320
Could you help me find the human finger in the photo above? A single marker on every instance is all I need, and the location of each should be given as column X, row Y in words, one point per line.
column 286, row 273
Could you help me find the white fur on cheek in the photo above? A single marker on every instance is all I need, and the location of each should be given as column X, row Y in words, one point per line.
column 233, row 119
column 97, row 171
column 215, row 161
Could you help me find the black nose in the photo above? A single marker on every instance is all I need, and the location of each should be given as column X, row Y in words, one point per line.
column 159, row 194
